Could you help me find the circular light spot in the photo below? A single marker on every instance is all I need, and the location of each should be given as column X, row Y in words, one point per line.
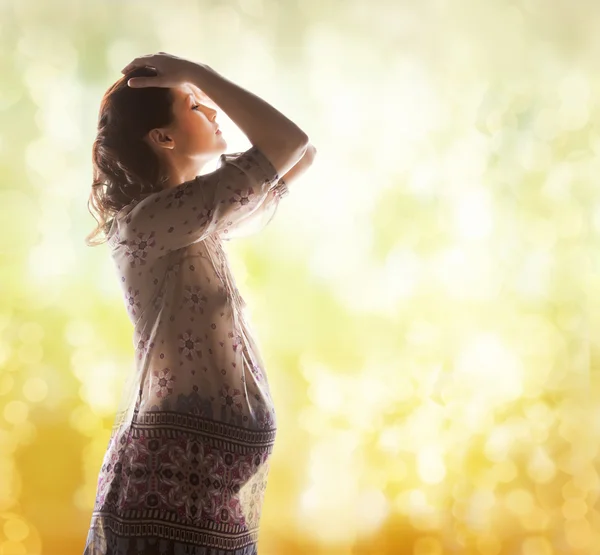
column 31, row 332
column 574, row 509
column 578, row 533
column 16, row 412
column 35, row 389
column 519, row 501
column 15, row 529
column 79, row 332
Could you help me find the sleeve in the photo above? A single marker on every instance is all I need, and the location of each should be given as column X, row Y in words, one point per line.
column 245, row 185
column 256, row 220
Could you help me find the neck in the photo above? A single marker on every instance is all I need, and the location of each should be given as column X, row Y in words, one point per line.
column 180, row 171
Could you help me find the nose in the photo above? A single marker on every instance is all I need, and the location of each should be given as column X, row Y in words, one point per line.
column 211, row 113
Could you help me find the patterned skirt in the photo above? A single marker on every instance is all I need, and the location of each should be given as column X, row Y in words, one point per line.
column 176, row 483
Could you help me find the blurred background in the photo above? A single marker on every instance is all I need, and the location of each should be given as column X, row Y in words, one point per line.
column 426, row 299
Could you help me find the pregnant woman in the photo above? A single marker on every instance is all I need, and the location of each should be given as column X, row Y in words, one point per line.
column 186, row 465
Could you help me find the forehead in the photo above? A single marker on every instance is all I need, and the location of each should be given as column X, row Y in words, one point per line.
column 184, row 91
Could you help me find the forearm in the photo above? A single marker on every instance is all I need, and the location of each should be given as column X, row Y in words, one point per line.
column 256, row 118
column 301, row 166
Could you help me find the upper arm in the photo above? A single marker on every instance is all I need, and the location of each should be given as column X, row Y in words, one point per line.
column 283, row 156
column 179, row 216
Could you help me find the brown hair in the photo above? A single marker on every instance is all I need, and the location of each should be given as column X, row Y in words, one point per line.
column 125, row 169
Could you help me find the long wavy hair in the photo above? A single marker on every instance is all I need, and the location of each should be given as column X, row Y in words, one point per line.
column 125, row 168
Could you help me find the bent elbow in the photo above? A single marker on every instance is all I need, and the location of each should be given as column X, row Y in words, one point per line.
column 303, row 141
column 310, row 152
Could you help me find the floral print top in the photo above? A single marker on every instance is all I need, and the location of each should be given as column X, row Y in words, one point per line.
column 190, row 331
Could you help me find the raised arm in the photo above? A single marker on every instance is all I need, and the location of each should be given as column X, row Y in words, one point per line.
column 208, row 204
column 257, row 220
column 279, row 138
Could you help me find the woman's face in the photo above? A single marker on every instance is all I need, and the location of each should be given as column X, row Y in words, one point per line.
column 195, row 123
column 192, row 132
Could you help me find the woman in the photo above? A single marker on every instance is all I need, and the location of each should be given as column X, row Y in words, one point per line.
column 187, row 462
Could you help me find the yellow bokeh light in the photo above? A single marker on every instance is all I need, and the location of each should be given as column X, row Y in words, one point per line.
column 16, row 412
column 519, row 501
column 536, row 546
column 578, row 533
column 428, row 546
column 85, row 421
column 6, row 383
column 12, row 548
column 541, row 467
column 489, row 544
column 15, row 529
column 35, row 389
column 574, row 509
column 431, row 467
column 506, row 471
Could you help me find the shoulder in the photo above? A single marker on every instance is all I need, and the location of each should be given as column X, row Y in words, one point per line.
column 117, row 222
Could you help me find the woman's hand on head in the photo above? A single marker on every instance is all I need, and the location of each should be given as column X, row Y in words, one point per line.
column 171, row 70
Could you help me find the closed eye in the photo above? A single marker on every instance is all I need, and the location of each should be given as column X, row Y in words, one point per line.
column 196, row 106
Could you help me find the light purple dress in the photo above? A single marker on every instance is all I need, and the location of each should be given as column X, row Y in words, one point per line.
column 187, row 462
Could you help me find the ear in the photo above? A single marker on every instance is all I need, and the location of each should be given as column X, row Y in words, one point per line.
column 158, row 138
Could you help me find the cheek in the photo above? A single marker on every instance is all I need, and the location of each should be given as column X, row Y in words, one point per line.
column 201, row 129
column 194, row 133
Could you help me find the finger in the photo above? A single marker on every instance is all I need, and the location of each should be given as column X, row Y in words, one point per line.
column 136, row 62
column 140, row 82
column 137, row 82
column 133, row 66
column 130, row 66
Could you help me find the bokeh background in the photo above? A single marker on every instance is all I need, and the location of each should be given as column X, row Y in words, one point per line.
column 426, row 300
